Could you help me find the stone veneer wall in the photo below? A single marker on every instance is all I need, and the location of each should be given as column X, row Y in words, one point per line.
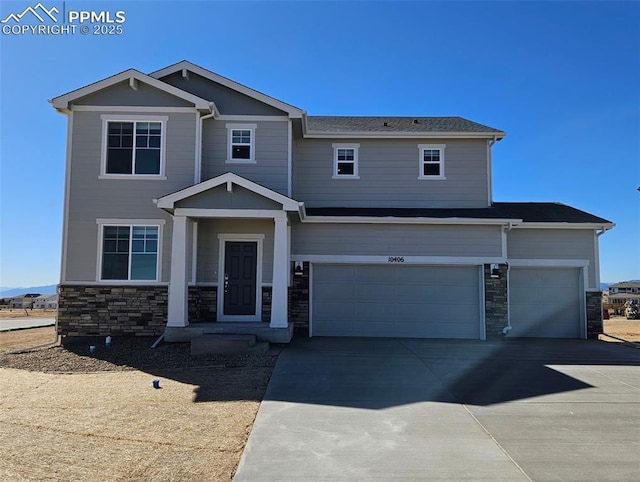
column 299, row 298
column 203, row 304
column 594, row 314
column 495, row 302
column 266, row 303
column 112, row 310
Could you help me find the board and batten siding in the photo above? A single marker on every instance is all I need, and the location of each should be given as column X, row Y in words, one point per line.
column 227, row 100
column 208, row 245
column 271, row 153
column 91, row 198
column 122, row 94
column 552, row 244
column 402, row 240
column 388, row 171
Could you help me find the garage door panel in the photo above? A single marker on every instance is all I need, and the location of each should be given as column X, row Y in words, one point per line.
column 337, row 291
column 545, row 302
column 396, row 301
column 370, row 292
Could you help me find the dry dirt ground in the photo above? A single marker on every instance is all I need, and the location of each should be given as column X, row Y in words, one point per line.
column 67, row 414
column 15, row 313
column 622, row 328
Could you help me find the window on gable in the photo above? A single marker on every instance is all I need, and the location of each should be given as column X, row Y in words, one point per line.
column 241, row 142
column 345, row 160
column 431, row 161
column 133, row 146
column 130, row 253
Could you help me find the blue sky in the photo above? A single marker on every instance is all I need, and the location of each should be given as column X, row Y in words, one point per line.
column 561, row 78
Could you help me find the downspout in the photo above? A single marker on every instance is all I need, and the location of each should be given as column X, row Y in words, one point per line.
column 490, row 143
column 200, row 147
column 507, row 328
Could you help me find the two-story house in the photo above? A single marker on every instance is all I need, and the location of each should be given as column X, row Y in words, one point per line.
column 195, row 204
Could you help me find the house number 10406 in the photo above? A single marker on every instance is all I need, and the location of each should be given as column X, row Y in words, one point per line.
column 395, row 259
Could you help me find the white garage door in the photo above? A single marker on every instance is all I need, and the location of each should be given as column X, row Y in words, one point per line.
column 396, row 301
column 545, row 302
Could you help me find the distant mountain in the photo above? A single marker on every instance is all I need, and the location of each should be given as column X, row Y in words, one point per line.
column 43, row 290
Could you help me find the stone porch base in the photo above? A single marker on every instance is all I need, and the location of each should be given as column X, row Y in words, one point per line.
column 261, row 330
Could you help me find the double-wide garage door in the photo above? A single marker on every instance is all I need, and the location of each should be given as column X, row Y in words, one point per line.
column 545, row 302
column 396, row 301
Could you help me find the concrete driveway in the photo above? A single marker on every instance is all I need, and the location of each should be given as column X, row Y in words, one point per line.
column 363, row 409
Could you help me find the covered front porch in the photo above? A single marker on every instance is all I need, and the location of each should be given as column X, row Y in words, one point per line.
column 230, row 237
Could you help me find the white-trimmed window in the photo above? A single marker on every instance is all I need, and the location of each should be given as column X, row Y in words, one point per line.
column 133, row 146
column 241, row 142
column 129, row 252
column 431, row 163
column 345, row 161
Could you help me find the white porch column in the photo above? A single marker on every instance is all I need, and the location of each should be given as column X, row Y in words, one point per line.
column 279, row 293
column 178, row 314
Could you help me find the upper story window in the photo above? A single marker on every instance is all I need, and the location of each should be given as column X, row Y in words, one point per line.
column 431, row 162
column 133, row 146
column 345, row 161
column 129, row 252
column 241, row 142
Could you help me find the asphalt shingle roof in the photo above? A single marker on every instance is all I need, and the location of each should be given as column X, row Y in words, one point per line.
column 543, row 212
column 332, row 124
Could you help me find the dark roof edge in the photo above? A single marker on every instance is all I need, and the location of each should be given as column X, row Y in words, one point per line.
column 534, row 213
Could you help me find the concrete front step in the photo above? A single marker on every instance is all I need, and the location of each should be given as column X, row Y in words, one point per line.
column 227, row 344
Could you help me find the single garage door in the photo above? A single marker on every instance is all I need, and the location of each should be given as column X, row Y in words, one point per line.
column 396, row 301
column 545, row 302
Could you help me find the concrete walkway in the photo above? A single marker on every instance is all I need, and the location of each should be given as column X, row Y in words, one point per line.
column 24, row 322
column 347, row 409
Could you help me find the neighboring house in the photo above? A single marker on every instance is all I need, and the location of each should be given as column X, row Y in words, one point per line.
column 25, row 301
column 46, row 302
column 195, row 204
column 620, row 293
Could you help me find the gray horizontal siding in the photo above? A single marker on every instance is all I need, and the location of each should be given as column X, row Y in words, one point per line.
column 91, row 198
column 271, row 153
column 554, row 244
column 389, row 171
column 395, row 240
column 228, row 101
column 209, row 245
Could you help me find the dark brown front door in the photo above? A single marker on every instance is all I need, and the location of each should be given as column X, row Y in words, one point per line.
column 240, row 261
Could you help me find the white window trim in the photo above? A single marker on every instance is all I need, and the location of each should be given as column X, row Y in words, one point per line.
column 106, row 118
column 355, row 148
column 222, row 241
column 102, row 222
column 252, row 145
column 421, row 148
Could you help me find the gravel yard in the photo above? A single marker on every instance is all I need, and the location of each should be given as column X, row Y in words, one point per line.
column 67, row 414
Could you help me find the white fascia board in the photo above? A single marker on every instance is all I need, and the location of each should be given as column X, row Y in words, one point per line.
column 526, row 225
column 62, row 102
column 293, row 111
column 168, row 202
column 399, row 220
column 228, row 213
column 407, row 260
column 548, row 263
column 409, row 135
